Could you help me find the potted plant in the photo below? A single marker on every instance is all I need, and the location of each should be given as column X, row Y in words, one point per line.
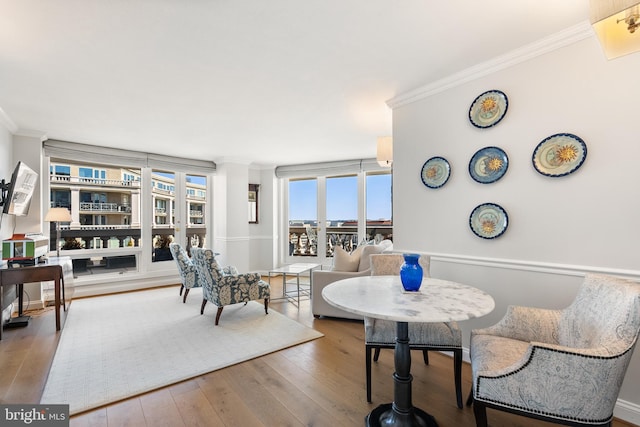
column 71, row 243
column 79, row 264
column 161, row 250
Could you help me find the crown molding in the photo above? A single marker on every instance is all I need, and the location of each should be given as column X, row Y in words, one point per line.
column 548, row 44
column 31, row 133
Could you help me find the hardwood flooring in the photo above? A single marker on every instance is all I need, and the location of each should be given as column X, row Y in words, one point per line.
column 319, row 383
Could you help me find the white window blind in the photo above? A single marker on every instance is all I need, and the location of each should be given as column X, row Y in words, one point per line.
column 120, row 157
column 344, row 167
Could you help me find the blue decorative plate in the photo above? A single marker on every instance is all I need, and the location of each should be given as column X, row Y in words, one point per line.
column 435, row 172
column 488, row 220
column 559, row 155
column 488, row 109
column 488, row 165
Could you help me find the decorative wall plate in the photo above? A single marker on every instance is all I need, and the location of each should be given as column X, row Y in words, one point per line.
column 488, row 165
column 488, row 109
column 559, row 155
column 488, row 220
column 435, row 172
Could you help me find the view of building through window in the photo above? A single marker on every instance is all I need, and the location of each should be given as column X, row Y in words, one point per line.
column 341, row 217
column 106, row 209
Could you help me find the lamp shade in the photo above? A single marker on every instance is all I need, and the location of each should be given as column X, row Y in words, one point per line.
column 615, row 23
column 384, row 154
column 58, row 215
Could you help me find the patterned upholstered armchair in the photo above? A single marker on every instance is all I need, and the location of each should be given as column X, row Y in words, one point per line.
column 422, row 336
column 188, row 273
column 227, row 287
column 564, row 366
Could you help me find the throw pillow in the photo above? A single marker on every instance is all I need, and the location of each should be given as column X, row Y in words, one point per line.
column 365, row 259
column 344, row 261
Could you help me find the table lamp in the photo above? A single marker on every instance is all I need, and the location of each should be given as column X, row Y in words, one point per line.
column 58, row 215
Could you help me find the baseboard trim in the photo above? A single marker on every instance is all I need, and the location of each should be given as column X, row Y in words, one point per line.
column 627, row 411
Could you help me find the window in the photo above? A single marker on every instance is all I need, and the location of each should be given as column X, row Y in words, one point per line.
column 342, row 213
column 99, row 174
column 196, row 203
column 61, row 170
column 128, row 199
column 379, row 207
column 338, row 210
column 190, row 210
column 303, row 217
column 102, row 217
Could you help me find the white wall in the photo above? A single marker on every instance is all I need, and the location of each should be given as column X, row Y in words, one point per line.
column 263, row 234
column 28, row 149
column 6, row 168
column 231, row 232
column 558, row 227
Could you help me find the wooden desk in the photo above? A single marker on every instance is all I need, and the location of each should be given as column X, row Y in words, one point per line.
column 36, row 273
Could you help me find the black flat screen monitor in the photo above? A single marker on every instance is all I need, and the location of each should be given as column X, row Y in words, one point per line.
column 16, row 195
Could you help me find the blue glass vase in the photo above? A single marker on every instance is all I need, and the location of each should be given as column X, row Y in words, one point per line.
column 411, row 272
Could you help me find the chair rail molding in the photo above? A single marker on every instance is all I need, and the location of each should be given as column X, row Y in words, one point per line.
column 527, row 265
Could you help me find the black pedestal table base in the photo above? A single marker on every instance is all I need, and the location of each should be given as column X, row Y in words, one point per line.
column 384, row 415
column 401, row 412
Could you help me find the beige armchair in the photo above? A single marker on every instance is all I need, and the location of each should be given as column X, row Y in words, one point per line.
column 563, row 366
column 321, row 278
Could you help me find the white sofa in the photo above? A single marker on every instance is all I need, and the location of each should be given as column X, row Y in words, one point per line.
column 322, row 278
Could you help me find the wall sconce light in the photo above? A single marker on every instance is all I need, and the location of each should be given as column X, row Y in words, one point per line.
column 384, row 154
column 615, row 23
column 58, row 215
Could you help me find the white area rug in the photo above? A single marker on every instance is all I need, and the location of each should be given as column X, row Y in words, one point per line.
column 118, row 346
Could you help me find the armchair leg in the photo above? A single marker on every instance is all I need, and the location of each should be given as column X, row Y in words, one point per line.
column 186, row 292
column 376, row 354
column 266, row 306
column 204, row 302
column 368, row 371
column 480, row 412
column 218, row 314
column 457, row 373
column 470, row 398
column 181, row 288
column 425, row 356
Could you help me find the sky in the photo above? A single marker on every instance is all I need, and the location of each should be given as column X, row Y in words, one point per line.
column 342, row 198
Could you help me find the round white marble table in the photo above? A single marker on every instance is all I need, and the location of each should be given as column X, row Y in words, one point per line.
column 383, row 297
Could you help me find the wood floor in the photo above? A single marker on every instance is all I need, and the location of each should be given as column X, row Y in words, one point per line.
column 319, row 383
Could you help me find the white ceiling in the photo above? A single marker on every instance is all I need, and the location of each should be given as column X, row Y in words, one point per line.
column 253, row 81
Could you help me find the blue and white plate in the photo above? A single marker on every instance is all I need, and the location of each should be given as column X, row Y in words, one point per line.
column 559, row 155
column 488, row 109
column 488, row 165
column 488, row 221
column 435, row 172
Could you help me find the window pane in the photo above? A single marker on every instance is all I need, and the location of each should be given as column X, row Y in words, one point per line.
column 379, row 207
column 196, row 189
column 163, row 193
column 102, row 217
column 342, row 213
column 303, row 217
